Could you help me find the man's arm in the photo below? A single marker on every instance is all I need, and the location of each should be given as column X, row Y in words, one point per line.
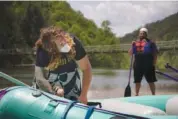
column 41, row 62
column 85, row 66
column 41, row 81
column 130, row 51
column 155, row 52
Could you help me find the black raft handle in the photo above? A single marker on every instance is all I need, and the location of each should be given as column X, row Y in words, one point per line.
column 94, row 104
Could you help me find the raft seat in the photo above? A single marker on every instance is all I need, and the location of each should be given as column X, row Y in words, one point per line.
column 172, row 106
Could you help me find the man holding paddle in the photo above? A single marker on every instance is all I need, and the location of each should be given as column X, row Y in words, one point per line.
column 145, row 56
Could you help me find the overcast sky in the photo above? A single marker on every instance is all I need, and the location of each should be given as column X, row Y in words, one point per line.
column 125, row 16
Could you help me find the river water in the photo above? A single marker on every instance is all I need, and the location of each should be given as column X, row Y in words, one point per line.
column 105, row 83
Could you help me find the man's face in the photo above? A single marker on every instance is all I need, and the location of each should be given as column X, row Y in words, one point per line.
column 142, row 35
column 55, row 42
column 62, row 46
column 56, row 46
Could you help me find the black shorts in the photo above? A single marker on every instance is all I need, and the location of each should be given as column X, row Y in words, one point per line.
column 149, row 74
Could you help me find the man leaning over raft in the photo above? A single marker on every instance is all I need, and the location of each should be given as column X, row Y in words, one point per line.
column 61, row 54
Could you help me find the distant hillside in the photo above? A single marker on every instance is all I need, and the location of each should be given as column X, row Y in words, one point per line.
column 166, row 29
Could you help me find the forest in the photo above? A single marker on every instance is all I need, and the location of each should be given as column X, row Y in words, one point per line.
column 22, row 21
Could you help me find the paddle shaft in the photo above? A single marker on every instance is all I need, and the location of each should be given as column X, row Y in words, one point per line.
column 11, row 79
column 130, row 69
column 166, row 75
column 172, row 68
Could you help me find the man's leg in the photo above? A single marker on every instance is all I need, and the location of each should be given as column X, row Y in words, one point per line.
column 152, row 88
column 138, row 74
column 151, row 78
column 137, row 88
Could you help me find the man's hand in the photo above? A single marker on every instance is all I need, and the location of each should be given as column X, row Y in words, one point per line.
column 83, row 99
column 59, row 91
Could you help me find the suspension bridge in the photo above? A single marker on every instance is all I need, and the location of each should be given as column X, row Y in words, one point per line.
column 162, row 46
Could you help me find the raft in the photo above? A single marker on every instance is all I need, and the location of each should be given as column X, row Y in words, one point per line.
column 23, row 102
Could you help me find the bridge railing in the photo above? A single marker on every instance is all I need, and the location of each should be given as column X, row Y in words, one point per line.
column 17, row 51
column 102, row 48
column 167, row 44
column 125, row 47
column 97, row 48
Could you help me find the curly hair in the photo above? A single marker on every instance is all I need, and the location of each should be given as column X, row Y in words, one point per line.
column 47, row 39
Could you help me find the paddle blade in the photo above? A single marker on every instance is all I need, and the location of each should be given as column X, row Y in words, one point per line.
column 127, row 91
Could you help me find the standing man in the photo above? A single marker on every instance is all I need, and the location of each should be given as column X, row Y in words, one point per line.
column 61, row 54
column 145, row 57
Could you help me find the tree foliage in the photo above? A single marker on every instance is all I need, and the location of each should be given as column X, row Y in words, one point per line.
column 22, row 21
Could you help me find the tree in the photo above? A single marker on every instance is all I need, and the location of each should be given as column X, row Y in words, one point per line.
column 105, row 25
column 6, row 24
column 32, row 23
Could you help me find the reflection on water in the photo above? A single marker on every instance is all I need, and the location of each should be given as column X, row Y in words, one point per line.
column 102, row 81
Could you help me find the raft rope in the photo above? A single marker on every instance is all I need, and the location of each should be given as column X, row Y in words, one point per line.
column 89, row 112
column 68, row 107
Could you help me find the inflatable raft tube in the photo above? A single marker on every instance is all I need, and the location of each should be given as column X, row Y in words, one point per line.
column 166, row 103
column 27, row 103
column 138, row 108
